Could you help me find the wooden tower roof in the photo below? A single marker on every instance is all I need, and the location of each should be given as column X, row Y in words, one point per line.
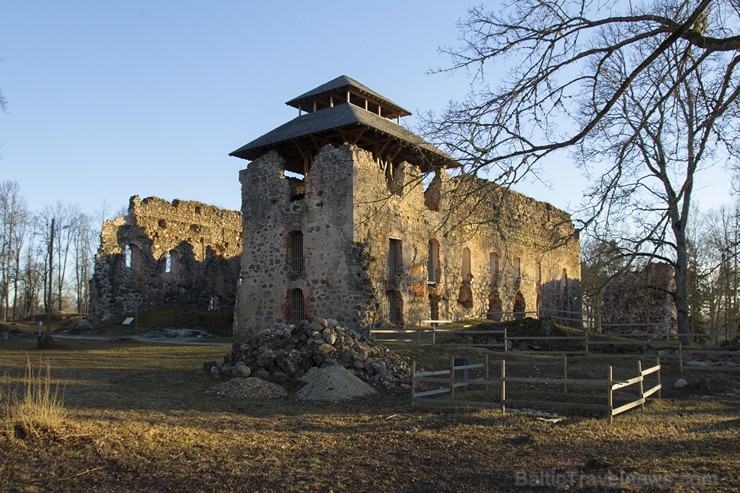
column 345, row 111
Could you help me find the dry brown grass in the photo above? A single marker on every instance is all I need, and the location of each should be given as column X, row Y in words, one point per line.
column 33, row 406
column 139, row 420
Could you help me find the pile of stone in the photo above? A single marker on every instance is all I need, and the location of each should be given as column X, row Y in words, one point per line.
column 248, row 388
column 292, row 350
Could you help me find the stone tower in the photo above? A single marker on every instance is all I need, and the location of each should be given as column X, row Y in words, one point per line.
column 348, row 215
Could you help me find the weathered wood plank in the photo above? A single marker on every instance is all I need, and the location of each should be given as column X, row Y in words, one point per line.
column 627, row 407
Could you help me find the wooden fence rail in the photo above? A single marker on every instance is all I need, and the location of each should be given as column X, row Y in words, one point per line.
column 609, row 385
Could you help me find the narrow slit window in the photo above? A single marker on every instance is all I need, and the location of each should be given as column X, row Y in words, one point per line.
column 395, row 258
column 433, row 270
column 297, row 260
column 494, row 271
column 466, row 270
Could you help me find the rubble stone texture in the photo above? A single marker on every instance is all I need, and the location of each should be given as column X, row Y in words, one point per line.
column 640, row 302
column 164, row 254
column 292, row 350
column 521, row 254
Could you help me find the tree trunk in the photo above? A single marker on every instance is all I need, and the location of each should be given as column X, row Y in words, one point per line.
column 681, row 268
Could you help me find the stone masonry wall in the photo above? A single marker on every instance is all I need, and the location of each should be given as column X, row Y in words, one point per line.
column 504, row 225
column 330, row 283
column 163, row 254
column 640, row 302
column 350, row 213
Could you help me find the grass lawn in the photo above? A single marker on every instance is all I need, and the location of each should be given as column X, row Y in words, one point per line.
column 138, row 420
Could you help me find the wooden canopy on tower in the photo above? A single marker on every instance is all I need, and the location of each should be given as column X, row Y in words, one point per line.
column 344, row 111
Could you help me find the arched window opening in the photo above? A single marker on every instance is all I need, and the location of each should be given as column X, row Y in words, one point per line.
column 520, row 306
column 494, row 271
column 127, row 256
column 395, row 307
column 434, row 272
column 466, row 270
column 495, row 307
column 297, row 309
column 564, row 294
column 171, row 263
column 132, row 257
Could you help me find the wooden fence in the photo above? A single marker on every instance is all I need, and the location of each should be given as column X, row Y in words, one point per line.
column 451, row 383
column 503, row 341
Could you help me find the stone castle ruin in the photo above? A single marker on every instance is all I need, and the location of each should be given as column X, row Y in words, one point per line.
column 164, row 254
column 640, row 302
column 348, row 215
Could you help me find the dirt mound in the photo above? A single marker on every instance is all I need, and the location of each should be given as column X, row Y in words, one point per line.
column 247, row 388
column 332, row 383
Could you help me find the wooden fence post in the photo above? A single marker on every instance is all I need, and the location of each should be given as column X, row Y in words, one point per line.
column 565, row 375
column 642, row 384
column 452, row 377
column 506, row 340
column 587, row 332
column 610, row 398
column 503, row 386
column 660, row 389
column 680, row 357
column 413, row 379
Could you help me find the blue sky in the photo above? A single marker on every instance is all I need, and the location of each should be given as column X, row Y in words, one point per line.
column 112, row 99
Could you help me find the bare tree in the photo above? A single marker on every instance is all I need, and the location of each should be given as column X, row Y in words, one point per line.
column 13, row 219
column 622, row 81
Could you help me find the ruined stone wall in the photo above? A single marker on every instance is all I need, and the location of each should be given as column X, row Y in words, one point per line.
column 640, row 302
column 520, row 232
column 351, row 211
column 162, row 254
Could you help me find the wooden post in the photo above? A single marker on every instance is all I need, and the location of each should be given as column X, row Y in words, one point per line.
column 488, row 386
column 660, row 389
column 452, row 377
column 565, row 375
column 642, row 384
column 680, row 357
column 503, row 386
column 434, row 333
column 610, row 398
column 586, row 342
column 413, row 379
column 506, row 340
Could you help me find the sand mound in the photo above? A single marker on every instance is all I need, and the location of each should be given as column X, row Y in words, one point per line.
column 250, row 388
column 332, row 383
